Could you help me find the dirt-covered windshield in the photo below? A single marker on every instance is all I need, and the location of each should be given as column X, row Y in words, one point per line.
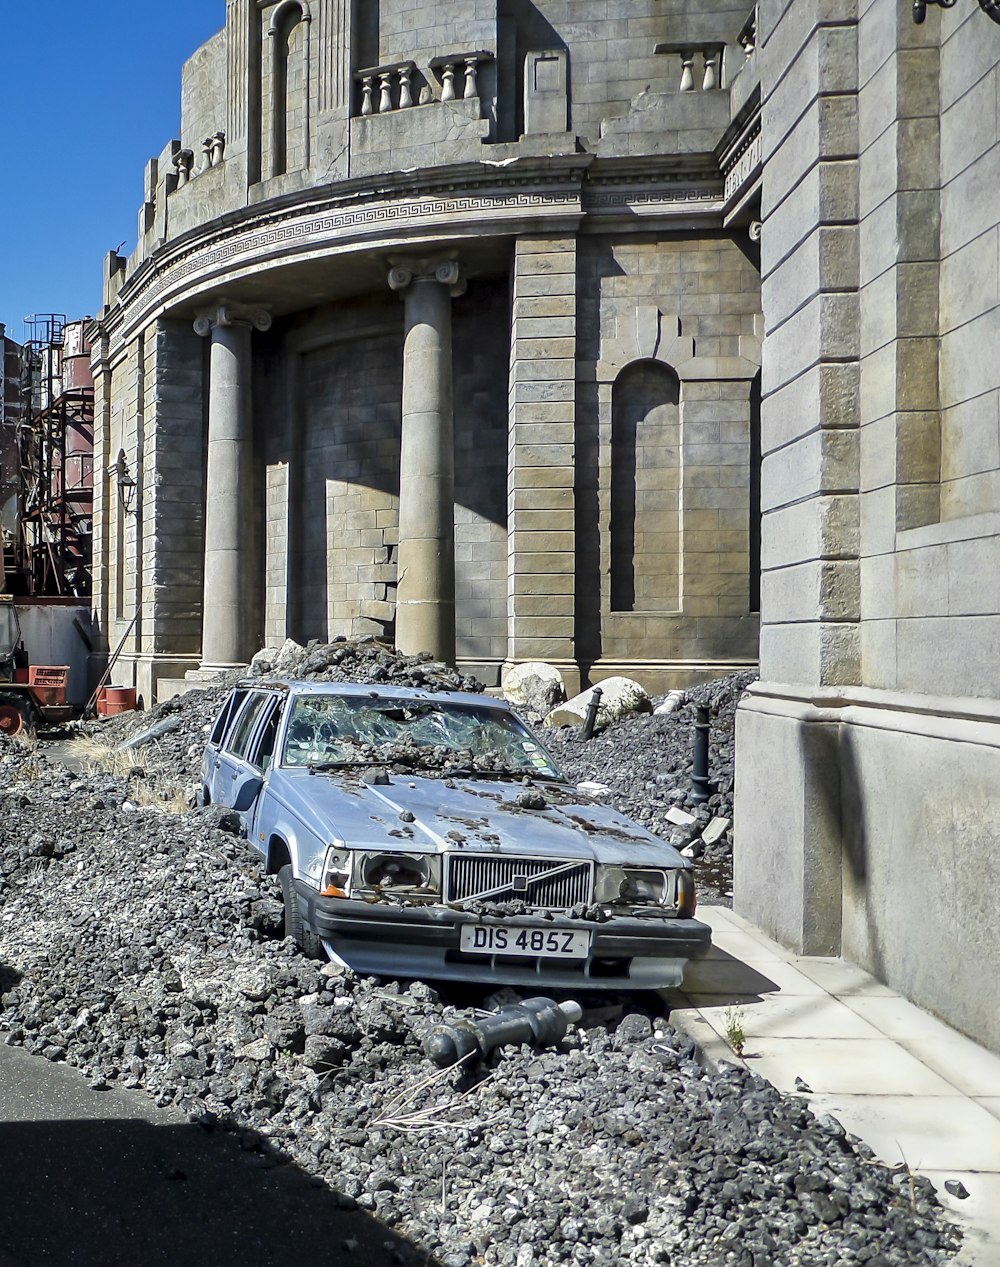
column 334, row 730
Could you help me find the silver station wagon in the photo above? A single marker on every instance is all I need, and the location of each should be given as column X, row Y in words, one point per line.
column 429, row 834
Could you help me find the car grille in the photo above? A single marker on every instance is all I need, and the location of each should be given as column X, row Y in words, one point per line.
column 555, row 884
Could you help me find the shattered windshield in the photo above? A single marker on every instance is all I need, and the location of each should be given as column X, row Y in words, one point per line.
column 329, row 731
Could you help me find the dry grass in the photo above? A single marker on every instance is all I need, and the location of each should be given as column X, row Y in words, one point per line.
column 152, row 786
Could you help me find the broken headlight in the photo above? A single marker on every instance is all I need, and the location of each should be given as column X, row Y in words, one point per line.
column 337, row 872
column 405, row 874
column 631, row 886
column 646, row 886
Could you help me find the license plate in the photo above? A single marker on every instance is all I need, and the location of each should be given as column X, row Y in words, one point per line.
column 550, row 943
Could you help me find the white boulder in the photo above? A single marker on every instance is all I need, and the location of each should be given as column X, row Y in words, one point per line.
column 535, row 687
column 620, row 696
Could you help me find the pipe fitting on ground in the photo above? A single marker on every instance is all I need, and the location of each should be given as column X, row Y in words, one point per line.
column 539, row 1022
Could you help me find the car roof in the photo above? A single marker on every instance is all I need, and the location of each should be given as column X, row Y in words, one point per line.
column 376, row 690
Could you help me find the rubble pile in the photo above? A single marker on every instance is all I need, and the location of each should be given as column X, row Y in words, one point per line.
column 644, row 760
column 144, row 948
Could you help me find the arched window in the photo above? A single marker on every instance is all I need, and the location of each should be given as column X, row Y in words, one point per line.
column 645, row 489
column 289, row 33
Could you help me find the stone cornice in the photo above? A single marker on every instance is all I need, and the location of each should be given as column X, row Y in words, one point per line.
column 397, row 210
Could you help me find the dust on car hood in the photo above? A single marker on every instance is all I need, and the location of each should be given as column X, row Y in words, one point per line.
column 415, row 812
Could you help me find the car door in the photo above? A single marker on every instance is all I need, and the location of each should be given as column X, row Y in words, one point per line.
column 232, row 759
column 260, row 757
column 212, row 760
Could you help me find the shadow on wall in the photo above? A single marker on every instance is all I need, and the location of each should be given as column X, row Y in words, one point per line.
column 521, row 29
column 105, row 1192
column 838, row 840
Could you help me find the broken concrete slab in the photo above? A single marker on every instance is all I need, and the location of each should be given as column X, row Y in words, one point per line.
column 620, row 696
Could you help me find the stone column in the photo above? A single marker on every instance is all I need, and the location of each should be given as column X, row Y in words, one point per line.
column 229, row 565
column 425, row 588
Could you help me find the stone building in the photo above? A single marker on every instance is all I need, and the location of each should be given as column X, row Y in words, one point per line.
column 441, row 324
column 869, row 754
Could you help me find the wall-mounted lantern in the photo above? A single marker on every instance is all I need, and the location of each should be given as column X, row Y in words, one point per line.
column 125, row 483
column 990, row 7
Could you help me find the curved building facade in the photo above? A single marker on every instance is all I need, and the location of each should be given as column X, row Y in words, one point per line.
column 441, row 325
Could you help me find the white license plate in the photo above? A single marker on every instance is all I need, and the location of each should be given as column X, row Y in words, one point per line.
column 550, row 943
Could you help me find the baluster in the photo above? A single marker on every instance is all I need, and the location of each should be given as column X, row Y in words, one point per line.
column 448, row 82
column 471, row 87
column 405, row 99
column 366, row 95
column 687, row 75
column 711, row 79
column 385, row 92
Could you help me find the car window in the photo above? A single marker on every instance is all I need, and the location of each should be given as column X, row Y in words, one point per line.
column 263, row 750
column 225, row 717
column 242, row 732
column 339, row 729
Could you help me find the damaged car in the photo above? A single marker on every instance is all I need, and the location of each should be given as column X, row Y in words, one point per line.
column 429, row 834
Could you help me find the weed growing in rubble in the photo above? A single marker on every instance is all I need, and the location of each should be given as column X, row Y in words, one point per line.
column 151, row 788
column 31, row 762
column 168, row 798
column 735, row 1034
column 102, row 756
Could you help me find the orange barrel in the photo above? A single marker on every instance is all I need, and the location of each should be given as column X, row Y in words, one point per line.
column 115, row 699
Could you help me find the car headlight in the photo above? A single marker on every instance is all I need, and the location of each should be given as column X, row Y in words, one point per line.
column 646, row 886
column 337, row 872
column 417, row 875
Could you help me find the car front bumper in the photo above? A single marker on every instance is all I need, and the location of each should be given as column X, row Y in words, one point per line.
column 424, row 941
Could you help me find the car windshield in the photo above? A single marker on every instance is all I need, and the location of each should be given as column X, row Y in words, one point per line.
column 328, row 731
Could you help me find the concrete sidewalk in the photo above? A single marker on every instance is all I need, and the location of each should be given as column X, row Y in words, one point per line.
column 915, row 1090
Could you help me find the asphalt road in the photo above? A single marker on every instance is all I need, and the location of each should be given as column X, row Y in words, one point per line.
column 101, row 1178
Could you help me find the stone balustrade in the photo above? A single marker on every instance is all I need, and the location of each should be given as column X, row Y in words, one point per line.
column 213, row 152
column 385, row 89
column 747, row 38
column 700, row 65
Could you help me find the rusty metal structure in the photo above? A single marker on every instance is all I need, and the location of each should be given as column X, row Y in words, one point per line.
column 55, row 445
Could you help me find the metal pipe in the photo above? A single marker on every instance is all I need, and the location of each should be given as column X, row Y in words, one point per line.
column 700, row 786
column 540, row 1022
column 593, row 707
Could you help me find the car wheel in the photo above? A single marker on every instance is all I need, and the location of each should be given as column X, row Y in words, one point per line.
column 295, row 927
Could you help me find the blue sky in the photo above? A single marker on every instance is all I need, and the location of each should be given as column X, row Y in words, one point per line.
column 88, row 93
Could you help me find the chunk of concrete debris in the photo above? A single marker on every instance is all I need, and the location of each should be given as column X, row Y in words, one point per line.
column 535, row 687
column 679, row 816
column 592, row 788
column 715, row 830
column 671, row 704
column 288, row 655
column 620, row 697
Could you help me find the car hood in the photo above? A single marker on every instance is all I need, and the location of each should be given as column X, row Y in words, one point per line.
column 467, row 815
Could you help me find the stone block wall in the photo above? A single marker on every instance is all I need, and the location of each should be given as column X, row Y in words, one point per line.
column 663, row 436
column 868, row 754
column 327, row 405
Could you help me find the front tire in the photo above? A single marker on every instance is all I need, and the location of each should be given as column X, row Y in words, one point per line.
column 295, row 926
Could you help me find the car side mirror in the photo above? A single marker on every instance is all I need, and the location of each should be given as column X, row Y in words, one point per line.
column 246, row 789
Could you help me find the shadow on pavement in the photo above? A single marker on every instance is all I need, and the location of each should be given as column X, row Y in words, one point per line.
column 103, row 1192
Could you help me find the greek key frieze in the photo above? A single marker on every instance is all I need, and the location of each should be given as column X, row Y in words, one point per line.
column 261, row 234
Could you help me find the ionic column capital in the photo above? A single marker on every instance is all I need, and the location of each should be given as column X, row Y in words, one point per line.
column 406, row 270
column 230, row 314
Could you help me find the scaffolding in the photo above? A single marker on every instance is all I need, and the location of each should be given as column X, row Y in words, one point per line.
column 56, row 451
